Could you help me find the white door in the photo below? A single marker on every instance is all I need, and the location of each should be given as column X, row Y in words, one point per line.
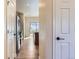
column 64, row 29
column 11, row 17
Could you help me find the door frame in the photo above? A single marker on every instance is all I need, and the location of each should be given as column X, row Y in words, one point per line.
column 5, row 31
column 17, row 51
column 54, row 30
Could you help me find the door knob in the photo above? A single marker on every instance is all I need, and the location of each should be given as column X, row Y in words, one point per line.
column 58, row 38
column 14, row 34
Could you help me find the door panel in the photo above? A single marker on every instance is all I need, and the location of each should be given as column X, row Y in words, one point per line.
column 63, row 51
column 65, row 18
column 11, row 13
column 64, row 29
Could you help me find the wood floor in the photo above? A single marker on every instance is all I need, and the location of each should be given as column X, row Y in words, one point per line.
column 28, row 50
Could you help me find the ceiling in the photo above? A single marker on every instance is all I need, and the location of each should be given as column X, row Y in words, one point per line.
column 28, row 7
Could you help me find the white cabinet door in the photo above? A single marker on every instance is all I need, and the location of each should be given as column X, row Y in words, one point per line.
column 11, row 17
column 64, row 21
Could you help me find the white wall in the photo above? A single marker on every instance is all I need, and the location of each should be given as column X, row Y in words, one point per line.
column 46, row 20
column 5, row 40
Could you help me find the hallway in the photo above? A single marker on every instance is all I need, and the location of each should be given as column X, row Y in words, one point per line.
column 28, row 50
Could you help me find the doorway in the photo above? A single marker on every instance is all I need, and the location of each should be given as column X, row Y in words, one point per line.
column 55, row 19
column 27, row 29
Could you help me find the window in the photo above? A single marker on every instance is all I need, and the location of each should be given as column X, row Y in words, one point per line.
column 34, row 27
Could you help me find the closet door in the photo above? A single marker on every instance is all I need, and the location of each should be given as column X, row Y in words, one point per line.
column 64, row 29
